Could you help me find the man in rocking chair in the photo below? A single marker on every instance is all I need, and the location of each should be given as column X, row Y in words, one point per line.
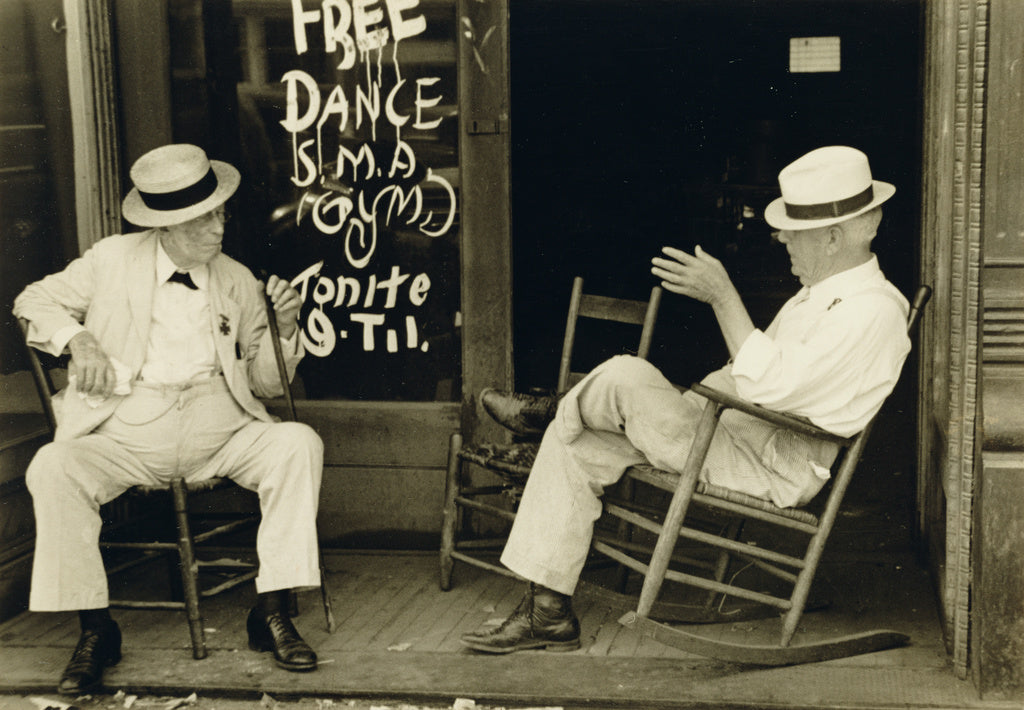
column 832, row 354
column 170, row 346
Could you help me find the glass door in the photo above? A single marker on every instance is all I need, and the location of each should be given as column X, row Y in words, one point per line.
column 342, row 118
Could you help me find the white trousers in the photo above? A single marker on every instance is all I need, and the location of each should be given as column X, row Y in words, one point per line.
column 626, row 412
column 158, row 433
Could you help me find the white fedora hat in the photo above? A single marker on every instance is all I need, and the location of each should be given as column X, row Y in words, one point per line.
column 826, row 186
column 175, row 183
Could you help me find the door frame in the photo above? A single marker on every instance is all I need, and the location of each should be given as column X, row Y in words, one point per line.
column 953, row 139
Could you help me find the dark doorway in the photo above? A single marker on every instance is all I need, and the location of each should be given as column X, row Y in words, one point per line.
column 636, row 125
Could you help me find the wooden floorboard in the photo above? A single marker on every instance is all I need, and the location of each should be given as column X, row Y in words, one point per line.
column 394, row 621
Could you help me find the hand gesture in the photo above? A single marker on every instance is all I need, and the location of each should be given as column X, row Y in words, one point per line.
column 698, row 275
column 286, row 305
column 91, row 366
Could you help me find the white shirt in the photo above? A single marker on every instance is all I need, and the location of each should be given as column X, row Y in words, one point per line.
column 833, row 352
column 180, row 346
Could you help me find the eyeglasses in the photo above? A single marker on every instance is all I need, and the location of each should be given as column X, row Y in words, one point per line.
column 221, row 214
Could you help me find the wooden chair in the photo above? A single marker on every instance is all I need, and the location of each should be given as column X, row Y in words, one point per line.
column 192, row 529
column 512, row 462
column 688, row 492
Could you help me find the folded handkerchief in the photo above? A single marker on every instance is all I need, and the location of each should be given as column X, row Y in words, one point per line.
column 122, row 385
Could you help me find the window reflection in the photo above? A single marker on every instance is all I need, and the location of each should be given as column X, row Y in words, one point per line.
column 342, row 118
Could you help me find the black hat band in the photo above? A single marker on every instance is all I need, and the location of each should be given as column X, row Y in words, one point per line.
column 828, row 210
column 180, row 199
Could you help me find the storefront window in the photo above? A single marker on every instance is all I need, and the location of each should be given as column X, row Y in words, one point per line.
column 341, row 116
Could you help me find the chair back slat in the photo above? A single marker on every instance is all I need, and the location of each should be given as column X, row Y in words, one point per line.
column 615, row 309
column 619, row 310
column 41, row 377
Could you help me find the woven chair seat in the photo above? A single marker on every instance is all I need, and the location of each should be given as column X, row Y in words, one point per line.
column 732, row 496
column 667, row 480
column 512, row 461
column 209, row 484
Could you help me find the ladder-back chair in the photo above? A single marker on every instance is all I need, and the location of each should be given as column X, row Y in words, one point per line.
column 192, row 530
column 512, row 462
column 688, row 492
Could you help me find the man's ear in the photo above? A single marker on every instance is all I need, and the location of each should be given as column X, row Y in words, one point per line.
column 834, row 239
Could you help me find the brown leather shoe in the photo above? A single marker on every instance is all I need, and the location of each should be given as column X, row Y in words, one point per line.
column 96, row 650
column 523, row 414
column 543, row 619
column 275, row 632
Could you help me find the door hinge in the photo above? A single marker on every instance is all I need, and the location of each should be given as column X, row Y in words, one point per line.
column 487, row 126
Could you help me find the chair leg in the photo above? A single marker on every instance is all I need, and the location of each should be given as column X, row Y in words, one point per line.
column 325, row 596
column 677, row 509
column 732, row 531
column 169, row 521
column 802, row 587
column 627, row 490
column 189, row 569
column 450, row 518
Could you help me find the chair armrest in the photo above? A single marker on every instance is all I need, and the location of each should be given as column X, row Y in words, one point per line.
column 780, row 419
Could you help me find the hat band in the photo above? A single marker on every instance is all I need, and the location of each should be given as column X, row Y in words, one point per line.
column 826, row 210
column 185, row 197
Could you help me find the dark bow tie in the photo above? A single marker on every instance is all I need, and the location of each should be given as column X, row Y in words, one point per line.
column 184, row 278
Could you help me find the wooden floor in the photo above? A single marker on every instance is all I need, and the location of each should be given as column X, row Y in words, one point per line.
column 398, row 634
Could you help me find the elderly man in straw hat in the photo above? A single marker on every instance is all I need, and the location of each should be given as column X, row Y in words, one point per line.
column 170, row 347
column 832, row 354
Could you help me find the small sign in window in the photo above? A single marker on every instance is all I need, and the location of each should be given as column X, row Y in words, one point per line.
column 808, row 55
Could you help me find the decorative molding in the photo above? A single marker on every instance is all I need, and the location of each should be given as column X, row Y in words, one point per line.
column 1003, row 332
column 956, row 33
column 93, row 119
column 968, row 142
column 1003, row 262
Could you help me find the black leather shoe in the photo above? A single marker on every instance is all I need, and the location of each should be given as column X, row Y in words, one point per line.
column 543, row 619
column 275, row 632
column 96, row 650
column 523, row 414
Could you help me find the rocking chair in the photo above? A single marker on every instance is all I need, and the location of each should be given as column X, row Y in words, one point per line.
column 687, row 493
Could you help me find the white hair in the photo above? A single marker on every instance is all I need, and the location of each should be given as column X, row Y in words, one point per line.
column 863, row 227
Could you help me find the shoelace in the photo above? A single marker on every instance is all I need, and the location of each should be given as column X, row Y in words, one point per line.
column 281, row 628
column 84, row 658
column 523, row 609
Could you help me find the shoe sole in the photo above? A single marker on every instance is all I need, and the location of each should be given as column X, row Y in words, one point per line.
column 296, row 667
column 552, row 646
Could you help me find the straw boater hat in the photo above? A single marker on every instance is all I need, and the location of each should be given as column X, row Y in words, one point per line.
column 176, row 183
column 825, row 187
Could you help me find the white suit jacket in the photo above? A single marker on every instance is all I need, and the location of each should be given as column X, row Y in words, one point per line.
column 110, row 289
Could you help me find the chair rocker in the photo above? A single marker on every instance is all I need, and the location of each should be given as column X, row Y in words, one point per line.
column 690, row 496
column 192, row 529
column 511, row 462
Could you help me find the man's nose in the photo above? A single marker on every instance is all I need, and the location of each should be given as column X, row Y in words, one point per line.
column 781, row 236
